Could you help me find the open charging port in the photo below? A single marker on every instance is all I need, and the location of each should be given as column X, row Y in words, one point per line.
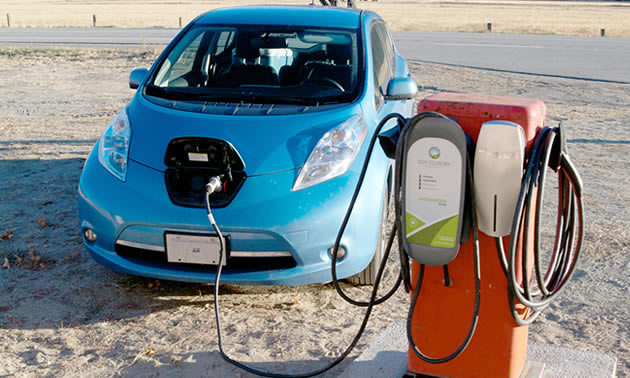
column 192, row 162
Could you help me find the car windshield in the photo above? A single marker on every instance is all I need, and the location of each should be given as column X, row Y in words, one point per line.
column 261, row 64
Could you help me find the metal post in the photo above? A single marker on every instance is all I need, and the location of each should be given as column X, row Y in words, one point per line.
column 180, row 22
column 8, row 20
column 94, row 20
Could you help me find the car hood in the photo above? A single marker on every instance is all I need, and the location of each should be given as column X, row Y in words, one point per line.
column 266, row 143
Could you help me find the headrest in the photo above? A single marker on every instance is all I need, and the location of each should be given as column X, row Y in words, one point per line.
column 245, row 48
column 340, row 54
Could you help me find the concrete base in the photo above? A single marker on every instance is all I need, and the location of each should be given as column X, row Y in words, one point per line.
column 386, row 357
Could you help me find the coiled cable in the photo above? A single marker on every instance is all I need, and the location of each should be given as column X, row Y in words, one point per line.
column 549, row 151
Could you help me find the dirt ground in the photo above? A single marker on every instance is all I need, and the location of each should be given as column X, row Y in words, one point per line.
column 61, row 314
column 506, row 16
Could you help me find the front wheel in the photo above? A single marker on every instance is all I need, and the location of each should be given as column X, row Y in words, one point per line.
column 368, row 275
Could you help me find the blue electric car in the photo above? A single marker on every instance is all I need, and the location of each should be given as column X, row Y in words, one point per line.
column 278, row 101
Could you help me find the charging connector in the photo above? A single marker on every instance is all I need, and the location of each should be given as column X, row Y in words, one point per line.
column 214, row 185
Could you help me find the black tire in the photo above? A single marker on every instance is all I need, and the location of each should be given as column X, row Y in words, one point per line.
column 368, row 275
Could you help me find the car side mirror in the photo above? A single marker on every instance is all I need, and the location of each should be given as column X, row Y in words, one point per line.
column 401, row 88
column 136, row 77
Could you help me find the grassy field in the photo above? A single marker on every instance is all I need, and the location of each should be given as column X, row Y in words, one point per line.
column 534, row 17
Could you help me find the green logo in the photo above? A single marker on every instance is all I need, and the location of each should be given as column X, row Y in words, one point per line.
column 434, row 152
column 413, row 223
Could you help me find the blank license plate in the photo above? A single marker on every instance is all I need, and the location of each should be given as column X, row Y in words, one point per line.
column 193, row 249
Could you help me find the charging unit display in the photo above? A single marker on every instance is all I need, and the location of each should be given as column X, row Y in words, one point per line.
column 434, row 182
column 440, row 193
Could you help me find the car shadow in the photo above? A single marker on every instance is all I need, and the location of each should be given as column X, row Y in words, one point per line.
column 198, row 364
column 386, row 363
column 47, row 279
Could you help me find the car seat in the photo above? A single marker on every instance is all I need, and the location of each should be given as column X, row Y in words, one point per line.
column 246, row 70
column 337, row 66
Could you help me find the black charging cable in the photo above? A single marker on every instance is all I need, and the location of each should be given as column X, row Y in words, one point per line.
column 373, row 296
column 548, row 151
column 477, row 273
column 308, row 374
column 333, row 266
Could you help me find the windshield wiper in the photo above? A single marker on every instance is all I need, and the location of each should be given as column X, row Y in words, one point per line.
column 248, row 97
column 241, row 96
column 169, row 93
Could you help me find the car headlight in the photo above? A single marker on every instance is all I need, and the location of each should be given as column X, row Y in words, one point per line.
column 334, row 153
column 113, row 149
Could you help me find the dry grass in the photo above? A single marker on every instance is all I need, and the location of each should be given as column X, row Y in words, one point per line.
column 72, row 314
column 559, row 17
column 536, row 17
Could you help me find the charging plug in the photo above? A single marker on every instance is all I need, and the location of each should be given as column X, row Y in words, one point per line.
column 214, row 185
column 559, row 148
column 498, row 170
column 467, row 219
column 389, row 138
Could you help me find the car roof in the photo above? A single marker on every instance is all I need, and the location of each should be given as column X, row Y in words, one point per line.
column 315, row 16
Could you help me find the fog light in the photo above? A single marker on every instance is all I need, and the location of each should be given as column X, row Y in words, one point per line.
column 89, row 235
column 341, row 252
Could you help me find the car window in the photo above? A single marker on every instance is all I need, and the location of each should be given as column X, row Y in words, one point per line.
column 388, row 44
column 180, row 64
column 274, row 64
column 381, row 68
column 224, row 41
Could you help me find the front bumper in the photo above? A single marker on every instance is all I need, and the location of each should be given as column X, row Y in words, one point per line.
column 264, row 219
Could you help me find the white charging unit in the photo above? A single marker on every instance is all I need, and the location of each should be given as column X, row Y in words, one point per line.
column 498, row 170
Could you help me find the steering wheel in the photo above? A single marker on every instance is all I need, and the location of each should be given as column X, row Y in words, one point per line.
column 325, row 80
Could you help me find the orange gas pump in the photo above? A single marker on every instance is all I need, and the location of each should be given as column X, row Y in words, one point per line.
column 441, row 317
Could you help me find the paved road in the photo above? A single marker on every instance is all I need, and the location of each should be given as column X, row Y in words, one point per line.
column 590, row 58
column 596, row 58
column 86, row 36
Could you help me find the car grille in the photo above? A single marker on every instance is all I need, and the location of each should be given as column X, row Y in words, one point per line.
column 234, row 264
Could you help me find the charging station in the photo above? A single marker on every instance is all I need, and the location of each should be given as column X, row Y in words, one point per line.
column 468, row 192
column 442, row 316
